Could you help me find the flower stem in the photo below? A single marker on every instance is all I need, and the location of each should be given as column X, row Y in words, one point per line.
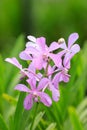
column 35, row 112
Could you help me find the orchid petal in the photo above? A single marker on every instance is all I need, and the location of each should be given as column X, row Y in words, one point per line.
column 31, row 44
column 24, row 56
column 66, row 60
column 31, row 68
column 41, row 42
column 55, row 80
column 55, row 93
column 50, row 70
column 22, row 88
column 28, row 102
column 56, row 58
column 42, row 84
column 32, row 50
column 65, row 77
column 75, row 48
column 45, row 99
column 63, row 46
column 14, row 61
column 72, row 38
column 53, row 46
column 32, row 83
column 38, row 62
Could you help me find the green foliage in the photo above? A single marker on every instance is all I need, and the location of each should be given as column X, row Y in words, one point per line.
column 74, row 119
column 2, row 124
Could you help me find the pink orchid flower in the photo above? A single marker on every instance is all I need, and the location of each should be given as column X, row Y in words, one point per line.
column 35, row 94
column 40, row 52
column 71, row 49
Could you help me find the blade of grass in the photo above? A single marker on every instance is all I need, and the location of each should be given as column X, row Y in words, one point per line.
column 75, row 119
column 3, row 125
column 19, row 111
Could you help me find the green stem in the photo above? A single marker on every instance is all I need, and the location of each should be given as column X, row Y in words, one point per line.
column 35, row 112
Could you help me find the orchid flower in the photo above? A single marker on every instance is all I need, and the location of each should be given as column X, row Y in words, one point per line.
column 39, row 52
column 71, row 49
column 35, row 93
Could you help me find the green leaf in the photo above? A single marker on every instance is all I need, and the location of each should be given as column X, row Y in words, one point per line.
column 9, row 98
column 19, row 111
column 3, row 125
column 11, row 123
column 2, row 75
column 76, row 123
column 37, row 120
column 25, row 119
column 82, row 105
column 52, row 126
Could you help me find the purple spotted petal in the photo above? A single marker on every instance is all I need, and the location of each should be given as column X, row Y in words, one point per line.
column 53, row 46
column 22, row 88
column 14, row 61
column 72, row 38
column 45, row 99
column 42, row 84
column 24, row 56
column 28, row 102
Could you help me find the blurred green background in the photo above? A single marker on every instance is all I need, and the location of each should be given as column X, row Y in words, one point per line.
column 50, row 18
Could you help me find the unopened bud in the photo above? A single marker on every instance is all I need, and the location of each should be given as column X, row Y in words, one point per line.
column 61, row 40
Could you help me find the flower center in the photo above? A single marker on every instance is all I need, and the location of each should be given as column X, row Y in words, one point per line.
column 45, row 57
column 35, row 93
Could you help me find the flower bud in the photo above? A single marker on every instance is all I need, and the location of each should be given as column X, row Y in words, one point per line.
column 61, row 40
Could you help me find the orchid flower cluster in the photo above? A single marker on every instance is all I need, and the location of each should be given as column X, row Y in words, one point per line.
column 48, row 66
